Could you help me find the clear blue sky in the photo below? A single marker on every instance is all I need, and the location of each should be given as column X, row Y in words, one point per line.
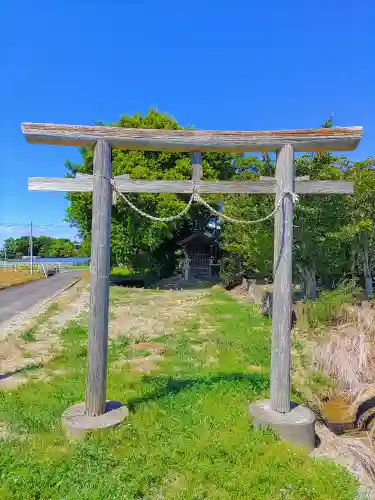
column 212, row 64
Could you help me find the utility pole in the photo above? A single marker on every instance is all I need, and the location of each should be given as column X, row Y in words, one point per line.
column 31, row 247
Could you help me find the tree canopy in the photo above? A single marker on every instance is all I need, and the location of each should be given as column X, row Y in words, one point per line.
column 43, row 246
column 333, row 235
column 131, row 234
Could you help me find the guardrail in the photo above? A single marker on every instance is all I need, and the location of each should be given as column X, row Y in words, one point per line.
column 41, row 266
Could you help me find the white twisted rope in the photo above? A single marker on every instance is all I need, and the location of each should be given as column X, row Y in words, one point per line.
column 284, row 194
column 196, row 197
column 148, row 216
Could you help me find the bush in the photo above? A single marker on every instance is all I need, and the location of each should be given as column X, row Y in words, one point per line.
column 328, row 308
column 230, row 271
column 28, row 336
column 122, row 272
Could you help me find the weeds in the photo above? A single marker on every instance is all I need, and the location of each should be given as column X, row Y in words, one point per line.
column 122, row 272
column 328, row 309
column 347, row 353
column 338, row 338
column 28, row 336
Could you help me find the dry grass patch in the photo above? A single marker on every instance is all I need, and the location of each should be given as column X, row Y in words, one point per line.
column 143, row 314
column 151, row 346
column 10, row 277
column 343, row 352
column 37, row 341
column 143, row 364
column 355, row 454
column 139, row 315
column 334, row 360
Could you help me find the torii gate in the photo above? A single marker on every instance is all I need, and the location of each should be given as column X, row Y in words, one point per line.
column 292, row 422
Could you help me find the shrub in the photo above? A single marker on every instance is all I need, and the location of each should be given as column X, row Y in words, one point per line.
column 122, row 272
column 328, row 308
column 28, row 336
column 230, row 271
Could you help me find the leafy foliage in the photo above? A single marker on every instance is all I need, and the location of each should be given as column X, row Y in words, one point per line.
column 132, row 234
column 43, row 246
column 230, row 270
column 327, row 309
column 253, row 244
column 333, row 234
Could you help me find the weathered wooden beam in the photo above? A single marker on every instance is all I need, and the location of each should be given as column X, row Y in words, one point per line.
column 309, row 140
column 124, row 177
column 323, row 187
column 84, row 184
column 99, row 289
column 282, row 285
column 299, row 178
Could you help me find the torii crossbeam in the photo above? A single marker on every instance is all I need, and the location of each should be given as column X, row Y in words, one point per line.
column 283, row 142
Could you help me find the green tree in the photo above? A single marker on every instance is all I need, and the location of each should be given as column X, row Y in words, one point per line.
column 318, row 250
column 131, row 233
column 16, row 247
column 360, row 230
column 252, row 245
column 43, row 246
column 61, row 247
column 321, row 249
column 10, row 246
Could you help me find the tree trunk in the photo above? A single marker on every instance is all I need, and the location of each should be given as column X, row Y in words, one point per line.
column 353, row 255
column 367, row 270
column 309, row 278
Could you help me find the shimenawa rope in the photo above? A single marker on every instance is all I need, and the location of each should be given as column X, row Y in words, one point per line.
column 196, row 197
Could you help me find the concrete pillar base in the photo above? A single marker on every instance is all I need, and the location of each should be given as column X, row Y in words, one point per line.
column 296, row 426
column 76, row 423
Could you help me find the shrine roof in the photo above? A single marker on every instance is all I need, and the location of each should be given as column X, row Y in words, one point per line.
column 202, row 235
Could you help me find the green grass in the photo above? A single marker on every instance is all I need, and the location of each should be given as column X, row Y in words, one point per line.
column 188, row 435
column 28, row 336
column 145, row 277
column 328, row 308
column 122, row 272
column 52, row 309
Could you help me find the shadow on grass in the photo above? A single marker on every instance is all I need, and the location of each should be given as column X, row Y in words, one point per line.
column 20, row 371
column 169, row 386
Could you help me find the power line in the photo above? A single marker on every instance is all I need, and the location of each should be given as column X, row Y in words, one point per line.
column 21, row 225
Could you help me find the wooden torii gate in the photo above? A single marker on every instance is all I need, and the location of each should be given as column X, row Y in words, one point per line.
column 96, row 411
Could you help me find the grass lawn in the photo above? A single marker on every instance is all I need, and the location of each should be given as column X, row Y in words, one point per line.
column 188, row 435
column 9, row 277
column 122, row 272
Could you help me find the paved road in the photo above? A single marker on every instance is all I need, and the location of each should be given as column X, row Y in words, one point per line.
column 18, row 299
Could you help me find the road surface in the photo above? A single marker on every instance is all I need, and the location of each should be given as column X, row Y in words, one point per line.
column 18, row 299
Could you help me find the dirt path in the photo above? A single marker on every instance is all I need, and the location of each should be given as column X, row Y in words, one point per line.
column 138, row 314
column 35, row 340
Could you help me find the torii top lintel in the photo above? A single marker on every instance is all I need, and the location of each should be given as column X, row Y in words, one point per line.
column 307, row 140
